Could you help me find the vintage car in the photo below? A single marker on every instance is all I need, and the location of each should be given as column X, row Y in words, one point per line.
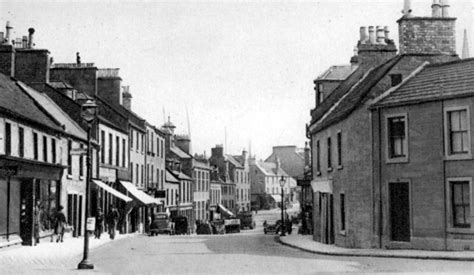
column 232, row 225
column 161, row 224
column 246, row 220
column 271, row 227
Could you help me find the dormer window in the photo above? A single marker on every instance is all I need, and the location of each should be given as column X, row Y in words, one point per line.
column 319, row 93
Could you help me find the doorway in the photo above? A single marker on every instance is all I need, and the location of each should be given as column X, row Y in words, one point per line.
column 400, row 211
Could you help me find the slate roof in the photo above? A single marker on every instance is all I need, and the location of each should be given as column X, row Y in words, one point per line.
column 14, row 101
column 269, row 169
column 355, row 95
column 335, row 95
column 179, row 153
column 234, row 162
column 70, row 126
column 336, row 72
column 171, row 178
column 433, row 82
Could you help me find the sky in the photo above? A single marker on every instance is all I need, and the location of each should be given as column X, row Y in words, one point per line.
column 241, row 71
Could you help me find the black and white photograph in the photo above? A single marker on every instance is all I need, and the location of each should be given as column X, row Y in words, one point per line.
column 236, row 137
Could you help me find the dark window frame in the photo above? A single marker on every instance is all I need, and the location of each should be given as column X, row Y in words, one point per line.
column 8, row 138
column 329, row 151
column 339, row 149
column 462, row 132
column 464, row 204
column 21, row 142
column 396, row 136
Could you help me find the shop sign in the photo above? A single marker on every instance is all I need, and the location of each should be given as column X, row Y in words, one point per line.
column 91, row 224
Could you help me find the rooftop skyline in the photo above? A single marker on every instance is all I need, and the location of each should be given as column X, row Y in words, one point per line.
column 242, row 71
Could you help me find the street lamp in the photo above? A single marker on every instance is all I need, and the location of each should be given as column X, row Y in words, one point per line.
column 282, row 184
column 88, row 113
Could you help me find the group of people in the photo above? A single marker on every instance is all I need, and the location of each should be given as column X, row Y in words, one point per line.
column 111, row 222
column 57, row 221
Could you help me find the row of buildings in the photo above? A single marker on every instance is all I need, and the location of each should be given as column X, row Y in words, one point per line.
column 140, row 168
column 391, row 140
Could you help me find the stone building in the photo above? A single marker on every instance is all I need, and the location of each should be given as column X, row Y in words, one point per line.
column 422, row 130
column 345, row 209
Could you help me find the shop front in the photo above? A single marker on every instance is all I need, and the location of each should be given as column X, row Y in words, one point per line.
column 29, row 197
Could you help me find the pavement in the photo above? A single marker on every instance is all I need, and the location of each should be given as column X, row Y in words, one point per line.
column 306, row 243
column 51, row 257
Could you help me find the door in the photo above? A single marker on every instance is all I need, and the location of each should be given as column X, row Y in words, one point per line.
column 400, row 211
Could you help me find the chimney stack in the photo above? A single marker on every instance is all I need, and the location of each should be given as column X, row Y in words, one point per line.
column 31, row 31
column 7, row 33
column 371, row 35
column 126, row 97
column 78, row 59
column 386, row 32
column 363, row 35
column 445, row 8
column 406, row 8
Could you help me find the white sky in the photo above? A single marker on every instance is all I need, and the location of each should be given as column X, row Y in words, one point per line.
column 241, row 67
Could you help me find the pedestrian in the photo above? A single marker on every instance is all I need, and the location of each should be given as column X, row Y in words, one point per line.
column 37, row 223
column 60, row 224
column 99, row 223
column 112, row 219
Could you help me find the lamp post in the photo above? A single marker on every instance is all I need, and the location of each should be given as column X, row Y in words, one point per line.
column 282, row 184
column 88, row 113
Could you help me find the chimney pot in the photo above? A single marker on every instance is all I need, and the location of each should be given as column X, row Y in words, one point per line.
column 78, row 59
column 444, row 8
column 406, row 8
column 31, row 31
column 371, row 35
column 380, row 35
column 7, row 33
column 363, row 35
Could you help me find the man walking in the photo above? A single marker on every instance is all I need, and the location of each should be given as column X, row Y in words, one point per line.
column 112, row 219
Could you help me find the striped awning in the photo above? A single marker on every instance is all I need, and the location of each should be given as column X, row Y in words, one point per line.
column 112, row 191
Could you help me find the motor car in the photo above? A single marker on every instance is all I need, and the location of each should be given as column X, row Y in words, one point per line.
column 161, row 224
column 269, row 227
column 180, row 225
column 246, row 220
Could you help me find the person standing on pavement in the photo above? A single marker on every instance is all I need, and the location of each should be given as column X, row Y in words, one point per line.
column 99, row 223
column 37, row 221
column 60, row 224
column 112, row 219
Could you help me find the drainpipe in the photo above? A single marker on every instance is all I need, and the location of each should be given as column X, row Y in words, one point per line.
column 380, row 176
column 444, row 180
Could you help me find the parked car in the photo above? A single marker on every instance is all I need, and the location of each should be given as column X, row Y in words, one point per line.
column 161, row 224
column 246, row 220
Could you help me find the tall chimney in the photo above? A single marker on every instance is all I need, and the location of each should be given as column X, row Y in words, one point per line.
column 380, row 35
column 363, row 35
column 436, row 9
column 406, row 8
column 445, row 8
column 371, row 35
column 7, row 33
column 78, row 59
column 31, row 31
column 386, row 32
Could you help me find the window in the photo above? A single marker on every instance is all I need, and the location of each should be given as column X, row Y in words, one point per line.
column 318, row 157
column 81, row 163
column 117, row 151
column 102, row 146
column 319, row 93
column 343, row 211
column 21, row 142
column 35, row 146
column 69, row 157
column 161, row 148
column 45, row 149
column 111, row 148
column 138, row 140
column 142, row 180
column 458, row 132
column 131, row 139
column 137, row 171
column 8, row 138
column 124, row 151
column 143, row 143
column 329, row 154
column 395, row 79
column 397, row 137
column 131, row 172
column 157, row 147
column 53, row 150
column 339, row 149
column 460, row 203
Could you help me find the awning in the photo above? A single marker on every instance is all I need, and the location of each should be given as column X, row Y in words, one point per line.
column 277, row 198
column 225, row 211
column 322, row 186
column 139, row 195
column 112, row 191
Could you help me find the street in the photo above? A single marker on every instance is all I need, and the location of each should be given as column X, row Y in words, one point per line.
column 250, row 251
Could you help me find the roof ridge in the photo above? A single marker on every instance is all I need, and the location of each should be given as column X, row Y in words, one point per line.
column 441, row 64
column 395, row 88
